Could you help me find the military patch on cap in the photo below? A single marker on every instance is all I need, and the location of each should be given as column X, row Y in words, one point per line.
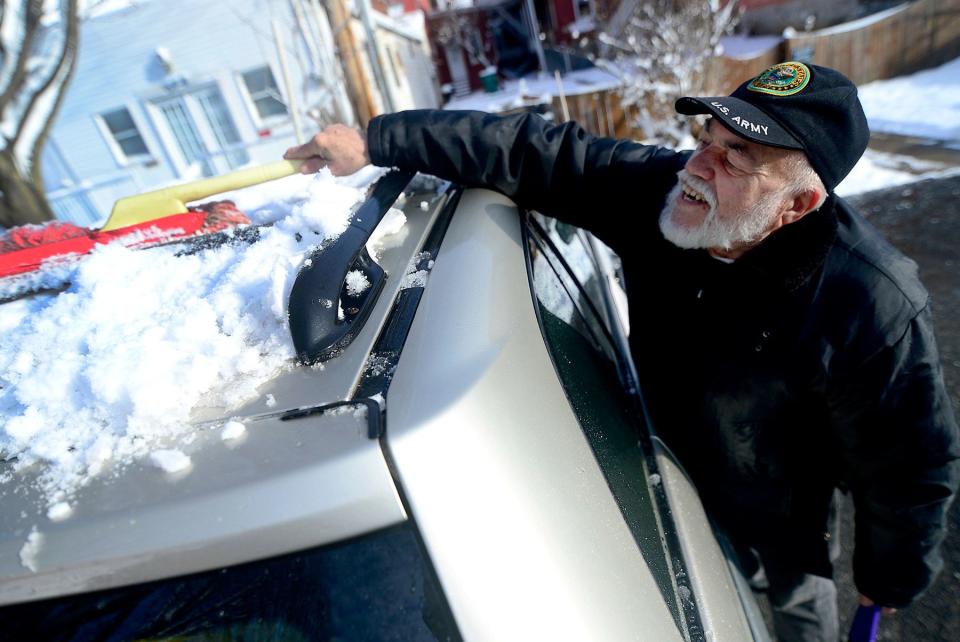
column 785, row 79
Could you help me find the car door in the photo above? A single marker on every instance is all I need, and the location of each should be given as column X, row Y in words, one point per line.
column 576, row 285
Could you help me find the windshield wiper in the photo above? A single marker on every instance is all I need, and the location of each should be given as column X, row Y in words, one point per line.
column 320, row 293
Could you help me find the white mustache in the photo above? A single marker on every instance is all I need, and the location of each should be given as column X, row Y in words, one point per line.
column 698, row 185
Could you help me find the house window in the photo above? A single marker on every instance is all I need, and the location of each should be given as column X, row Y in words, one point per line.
column 120, row 124
column 398, row 64
column 264, row 92
column 389, row 55
column 584, row 8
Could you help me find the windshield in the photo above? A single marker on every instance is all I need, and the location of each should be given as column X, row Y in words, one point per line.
column 115, row 367
column 158, row 476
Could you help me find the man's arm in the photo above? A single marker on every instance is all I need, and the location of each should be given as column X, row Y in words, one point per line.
column 601, row 184
column 898, row 437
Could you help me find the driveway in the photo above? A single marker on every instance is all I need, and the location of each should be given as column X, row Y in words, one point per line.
column 923, row 220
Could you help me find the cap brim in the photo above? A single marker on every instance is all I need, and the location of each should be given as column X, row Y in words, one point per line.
column 742, row 118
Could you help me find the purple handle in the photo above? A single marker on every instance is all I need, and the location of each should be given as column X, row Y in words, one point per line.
column 865, row 624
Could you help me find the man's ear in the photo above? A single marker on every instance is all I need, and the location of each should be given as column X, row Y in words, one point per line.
column 800, row 205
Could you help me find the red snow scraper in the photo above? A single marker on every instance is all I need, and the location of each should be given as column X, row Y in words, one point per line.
column 138, row 221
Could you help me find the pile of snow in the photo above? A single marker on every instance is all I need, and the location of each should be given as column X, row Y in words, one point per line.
column 108, row 370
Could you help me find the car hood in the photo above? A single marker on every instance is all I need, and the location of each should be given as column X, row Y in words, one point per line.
column 300, row 466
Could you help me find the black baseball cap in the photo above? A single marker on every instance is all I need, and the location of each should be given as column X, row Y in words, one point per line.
column 794, row 105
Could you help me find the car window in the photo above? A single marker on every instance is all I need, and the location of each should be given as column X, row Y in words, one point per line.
column 374, row 588
column 571, row 243
column 562, row 277
column 566, row 281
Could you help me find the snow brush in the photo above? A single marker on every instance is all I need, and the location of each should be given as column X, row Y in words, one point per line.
column 139, row 221
column 866, row 622
column 134, row 210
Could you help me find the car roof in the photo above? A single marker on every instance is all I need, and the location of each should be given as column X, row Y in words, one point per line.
column 307, row 471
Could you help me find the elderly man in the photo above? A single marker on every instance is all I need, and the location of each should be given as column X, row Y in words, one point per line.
column 784, row 348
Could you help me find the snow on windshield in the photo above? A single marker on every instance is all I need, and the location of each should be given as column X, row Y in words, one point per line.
column 108, row 370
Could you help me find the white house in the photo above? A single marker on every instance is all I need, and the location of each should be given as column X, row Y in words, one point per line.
column 171, row 90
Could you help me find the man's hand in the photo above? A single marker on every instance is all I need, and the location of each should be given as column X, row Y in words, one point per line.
column 340, row 148
column 866, row 601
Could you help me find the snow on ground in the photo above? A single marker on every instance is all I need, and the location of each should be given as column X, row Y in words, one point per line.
column 925, row 104
column 877, row 170
column 108, row 370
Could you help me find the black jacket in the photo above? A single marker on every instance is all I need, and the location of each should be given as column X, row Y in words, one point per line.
column 807, row 364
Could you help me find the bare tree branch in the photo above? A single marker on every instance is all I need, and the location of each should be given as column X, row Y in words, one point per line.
column 660, row 50
column 57, row 84
column 48, row 57
column 45, row 99
column 31, row 21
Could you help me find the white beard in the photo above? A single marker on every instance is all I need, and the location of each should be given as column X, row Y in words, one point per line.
column 713, row 232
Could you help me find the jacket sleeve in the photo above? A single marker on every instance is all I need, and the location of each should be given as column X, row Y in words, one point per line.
column 900, row 445
column 601, row 184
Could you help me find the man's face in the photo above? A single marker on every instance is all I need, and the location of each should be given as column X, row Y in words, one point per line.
column 730, row 195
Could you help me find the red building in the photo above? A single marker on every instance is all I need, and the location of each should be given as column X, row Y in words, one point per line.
column 499, row 33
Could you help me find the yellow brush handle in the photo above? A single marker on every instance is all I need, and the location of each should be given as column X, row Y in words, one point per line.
column 173, row 200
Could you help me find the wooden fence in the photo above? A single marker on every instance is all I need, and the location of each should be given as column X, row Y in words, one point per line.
column 599, row 112
column 900, row 41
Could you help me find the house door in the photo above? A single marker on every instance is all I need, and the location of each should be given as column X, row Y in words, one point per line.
column 459, row 73
column 206, row 137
